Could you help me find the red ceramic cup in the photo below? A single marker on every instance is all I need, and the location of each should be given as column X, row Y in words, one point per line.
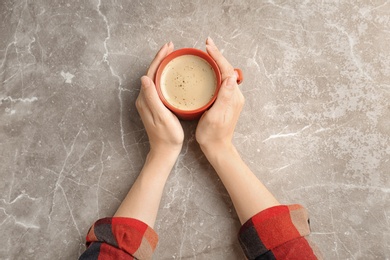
column 196, row 113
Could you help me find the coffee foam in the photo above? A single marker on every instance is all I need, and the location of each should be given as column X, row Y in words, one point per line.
column 188, row 82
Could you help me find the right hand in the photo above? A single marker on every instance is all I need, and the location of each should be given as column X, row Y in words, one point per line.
column 162, row 126
column 216, row 127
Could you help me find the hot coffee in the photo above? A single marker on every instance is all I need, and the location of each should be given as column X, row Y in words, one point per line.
column 188, row 82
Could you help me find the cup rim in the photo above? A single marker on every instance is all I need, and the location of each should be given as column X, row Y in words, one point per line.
column 181, row 52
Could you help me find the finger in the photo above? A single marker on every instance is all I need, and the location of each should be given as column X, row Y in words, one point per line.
column 151, row 97
column 226, row 68
column 225, row 95
column 170, row 47
column 142, row 107
column 161, row 54
column 157, row 60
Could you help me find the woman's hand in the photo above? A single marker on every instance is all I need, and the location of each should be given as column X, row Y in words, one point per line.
column 216, row 127
column 166, row 139
column 162, row 126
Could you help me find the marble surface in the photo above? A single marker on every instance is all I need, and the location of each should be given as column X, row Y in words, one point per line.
column 315, row 127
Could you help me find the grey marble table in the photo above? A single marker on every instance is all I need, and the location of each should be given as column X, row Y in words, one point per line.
column 315, row 127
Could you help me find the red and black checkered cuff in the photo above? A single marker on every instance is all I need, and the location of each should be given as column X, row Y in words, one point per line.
column 273, row 227
column 130, row 235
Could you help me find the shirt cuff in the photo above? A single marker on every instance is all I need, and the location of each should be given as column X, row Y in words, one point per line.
column 127, row 234
column 273, row 227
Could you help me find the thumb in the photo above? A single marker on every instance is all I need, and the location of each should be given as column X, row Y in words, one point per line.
column 150, row 94
column 146, row 82
column 225, row 94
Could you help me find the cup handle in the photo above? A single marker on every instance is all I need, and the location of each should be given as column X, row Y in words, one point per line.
column 240, row 76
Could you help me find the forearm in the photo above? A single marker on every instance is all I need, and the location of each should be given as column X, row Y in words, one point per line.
column 247, row 192
column 143, row 199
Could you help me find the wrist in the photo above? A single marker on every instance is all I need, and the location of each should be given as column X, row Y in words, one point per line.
column 163, row 159
column 215, row 152
column 166, row 150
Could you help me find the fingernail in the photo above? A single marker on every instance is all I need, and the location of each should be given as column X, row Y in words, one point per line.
column 145, row 81
column 230, row 82
column 162, row 47
column 210, row 41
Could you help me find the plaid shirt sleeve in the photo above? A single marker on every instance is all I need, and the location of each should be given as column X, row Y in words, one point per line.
column 120, row 238
column 278, row 233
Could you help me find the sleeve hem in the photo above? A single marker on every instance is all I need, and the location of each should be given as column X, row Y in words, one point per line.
column 127, row 234
column 273, row 227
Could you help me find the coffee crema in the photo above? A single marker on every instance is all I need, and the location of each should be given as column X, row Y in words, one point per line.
column 188, row 82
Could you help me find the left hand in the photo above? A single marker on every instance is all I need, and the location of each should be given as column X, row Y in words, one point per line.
column 216, row 127
column 162, row 126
